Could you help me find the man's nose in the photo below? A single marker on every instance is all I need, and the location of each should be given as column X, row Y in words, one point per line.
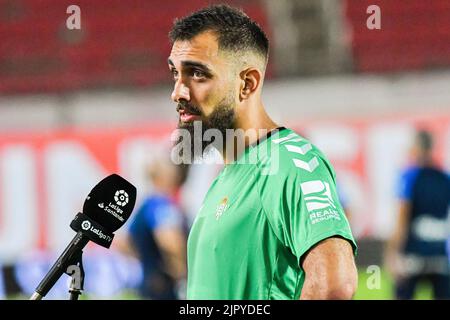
column 180, row 91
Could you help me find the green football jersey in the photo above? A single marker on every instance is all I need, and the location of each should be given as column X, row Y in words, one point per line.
column 261, row 214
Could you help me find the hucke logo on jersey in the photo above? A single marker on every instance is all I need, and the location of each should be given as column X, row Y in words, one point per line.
column 308, row 165
column 319, row 202
column 223, row 205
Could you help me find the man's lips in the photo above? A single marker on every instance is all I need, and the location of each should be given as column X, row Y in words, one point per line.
column 186, row 116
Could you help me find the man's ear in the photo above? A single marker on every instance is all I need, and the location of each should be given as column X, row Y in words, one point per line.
column 251, row 79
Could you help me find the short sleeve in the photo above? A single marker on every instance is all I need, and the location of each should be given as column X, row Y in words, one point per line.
column 301, row 202
column 405, row 184
column 156, row 213
column 166, row 215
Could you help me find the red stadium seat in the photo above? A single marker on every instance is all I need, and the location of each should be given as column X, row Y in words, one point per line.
column 122, row 43
column 414, row 35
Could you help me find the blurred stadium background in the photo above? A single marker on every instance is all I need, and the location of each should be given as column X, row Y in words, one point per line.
column 76, row 105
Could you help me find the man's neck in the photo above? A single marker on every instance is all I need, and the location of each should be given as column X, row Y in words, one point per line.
column 425, row 161
column 251, row 126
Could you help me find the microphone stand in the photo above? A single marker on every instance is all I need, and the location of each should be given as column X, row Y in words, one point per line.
column 72, row 267
column 70, row 262
column 77, row 282
column 67, row 265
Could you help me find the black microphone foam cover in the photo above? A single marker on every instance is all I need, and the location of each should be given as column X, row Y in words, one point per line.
column 111, row 202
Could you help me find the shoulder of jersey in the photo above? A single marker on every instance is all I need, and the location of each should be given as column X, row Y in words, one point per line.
column 297, row 152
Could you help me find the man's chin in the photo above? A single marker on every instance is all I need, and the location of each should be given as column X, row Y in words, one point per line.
column 188, row 124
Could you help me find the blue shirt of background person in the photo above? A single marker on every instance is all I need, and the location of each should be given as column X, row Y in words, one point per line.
column 427, row 190
column 156, row 213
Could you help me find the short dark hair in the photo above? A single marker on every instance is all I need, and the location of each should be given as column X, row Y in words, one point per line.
column 235, row 30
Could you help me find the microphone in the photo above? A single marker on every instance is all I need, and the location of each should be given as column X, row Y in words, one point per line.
column 107, row 207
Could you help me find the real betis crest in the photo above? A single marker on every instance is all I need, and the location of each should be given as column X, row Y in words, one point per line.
column 221, row 207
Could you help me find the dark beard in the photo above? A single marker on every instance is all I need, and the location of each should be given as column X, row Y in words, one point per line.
column 221, row 119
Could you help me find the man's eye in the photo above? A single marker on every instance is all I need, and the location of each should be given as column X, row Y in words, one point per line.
column 198, row 74
column 174, row 74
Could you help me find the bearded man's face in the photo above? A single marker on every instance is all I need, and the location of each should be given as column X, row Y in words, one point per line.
column 204, row 89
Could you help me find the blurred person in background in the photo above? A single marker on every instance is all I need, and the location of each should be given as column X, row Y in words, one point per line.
column 157, row 233
column 344, row 200
column 416, row 251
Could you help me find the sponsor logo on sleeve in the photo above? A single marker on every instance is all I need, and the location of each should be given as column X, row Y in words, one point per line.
column 319, row 202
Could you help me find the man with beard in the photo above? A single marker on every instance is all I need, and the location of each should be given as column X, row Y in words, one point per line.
column 271, row 226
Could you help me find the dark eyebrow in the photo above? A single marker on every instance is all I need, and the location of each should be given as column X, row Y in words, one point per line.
column 194, row 64
column 191, row 64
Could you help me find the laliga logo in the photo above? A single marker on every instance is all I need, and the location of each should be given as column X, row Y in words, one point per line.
column 121, row 198
column 85, row 225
